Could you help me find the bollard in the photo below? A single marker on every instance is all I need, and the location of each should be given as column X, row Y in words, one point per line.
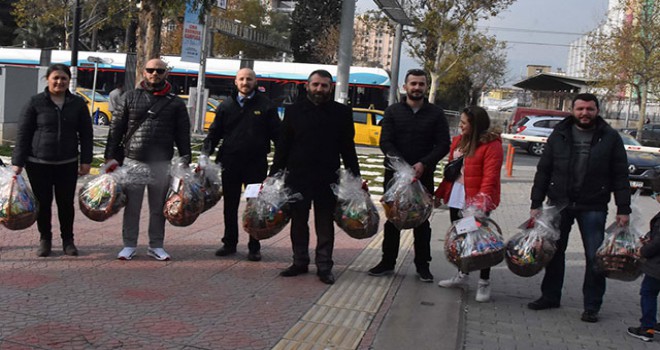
column 510, row 153
column 96, row 116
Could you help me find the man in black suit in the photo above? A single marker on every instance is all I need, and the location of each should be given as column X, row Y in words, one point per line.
column 316, row 133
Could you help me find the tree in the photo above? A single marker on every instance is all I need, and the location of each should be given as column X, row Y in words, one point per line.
column 443, row 30
column 310, row 22
column 628, row 53
column 486, row 67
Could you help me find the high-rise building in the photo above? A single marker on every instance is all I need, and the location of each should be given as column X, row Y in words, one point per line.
column 373, row 42
column 282, row 5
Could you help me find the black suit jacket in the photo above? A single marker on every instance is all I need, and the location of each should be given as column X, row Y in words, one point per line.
column 313, row 139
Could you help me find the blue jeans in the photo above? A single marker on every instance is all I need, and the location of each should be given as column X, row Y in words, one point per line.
column 592, row 228
column 649, row 301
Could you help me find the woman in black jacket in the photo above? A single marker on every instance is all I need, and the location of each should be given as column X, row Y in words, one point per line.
column 50, row 128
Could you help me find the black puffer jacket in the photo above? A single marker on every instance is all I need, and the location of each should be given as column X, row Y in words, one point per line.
column 607, row 170
column 416, row 137
column 156, row 136
column 245, row 131
column 51, row 134
column 651, row 250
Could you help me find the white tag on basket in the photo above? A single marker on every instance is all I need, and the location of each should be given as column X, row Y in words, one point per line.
column 176, row 181
column 252, row 190
column 466, row 225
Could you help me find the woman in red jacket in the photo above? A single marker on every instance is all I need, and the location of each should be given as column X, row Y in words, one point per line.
column 481, row 149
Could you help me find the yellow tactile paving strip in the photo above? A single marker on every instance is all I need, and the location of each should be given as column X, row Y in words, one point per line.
column 339, row 319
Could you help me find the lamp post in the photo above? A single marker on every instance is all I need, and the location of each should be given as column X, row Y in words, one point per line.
column 96, row 61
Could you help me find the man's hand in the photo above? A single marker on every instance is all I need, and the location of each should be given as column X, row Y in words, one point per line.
column 17, row 169
column 84, row 169
column 622, row 220
column 365, row 187
column 419, row 169
column 110, row 165
column 534, row 213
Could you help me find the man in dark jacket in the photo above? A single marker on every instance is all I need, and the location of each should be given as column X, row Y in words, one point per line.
column 246, row 123
column 149, row 121
column 316, row 132
column 417, row 132
column 583, row 163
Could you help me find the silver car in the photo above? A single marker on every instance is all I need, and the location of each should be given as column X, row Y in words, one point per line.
column 535, row 126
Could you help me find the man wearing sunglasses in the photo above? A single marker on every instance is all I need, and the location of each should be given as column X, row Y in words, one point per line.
column 146, row 126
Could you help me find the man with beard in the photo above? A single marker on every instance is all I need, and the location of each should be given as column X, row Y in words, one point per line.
column 148, row 122
column 316, row 133
column 246, row 123
column 584, row 161
column 415, row 131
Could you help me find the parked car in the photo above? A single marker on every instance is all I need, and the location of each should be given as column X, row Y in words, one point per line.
column 101, row 103
column 642, row 167
column 535, row 126
column 367, row 126
column 211, row 105
column 521, row 112
column 650, row 134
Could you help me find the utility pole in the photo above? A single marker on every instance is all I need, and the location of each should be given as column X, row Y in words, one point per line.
column 396, row 58
column 345, row 58
column 200, row 106
column 74, row 47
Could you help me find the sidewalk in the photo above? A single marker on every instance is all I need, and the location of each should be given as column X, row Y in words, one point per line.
column 199, row 301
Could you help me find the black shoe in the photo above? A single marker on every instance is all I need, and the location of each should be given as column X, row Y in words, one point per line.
column 225, row 250
column 326, row 277
column 657, row 327
column 45, row 246
column 294, row 270
column 645, row 334
column 381, row 269
column 542, row 304
column 254, row 256
column 425, row 275
column 590, row 316
column 69, row 248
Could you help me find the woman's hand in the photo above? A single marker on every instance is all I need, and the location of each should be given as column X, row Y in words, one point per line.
column 17, row 169
column 84, row 169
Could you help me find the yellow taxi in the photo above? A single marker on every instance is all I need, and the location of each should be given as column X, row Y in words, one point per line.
column 101, row 103
column 211, row 105
column 367, row 126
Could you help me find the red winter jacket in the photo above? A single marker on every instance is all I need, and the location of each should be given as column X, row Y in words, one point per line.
column 481, row 172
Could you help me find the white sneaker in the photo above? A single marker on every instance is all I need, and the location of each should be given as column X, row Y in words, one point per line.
column 127, row 253
column 483, row 291
column 459, row 281
column 158, row 254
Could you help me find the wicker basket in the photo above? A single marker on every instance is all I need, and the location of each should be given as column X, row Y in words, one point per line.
column 358, row 222
column 101, row 197
column 184, row 206
column 526, row 256
column 19, row 206
column 264, row 221
column 622, row 267
column 486, row 254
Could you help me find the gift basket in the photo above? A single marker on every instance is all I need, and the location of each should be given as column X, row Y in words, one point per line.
column 211, row 174
column 474, row 242
column 407, row 203
column 529, row 251
column 102, row 196
column 355, row 212
column 618, row 257
column 185, row 197
column 18, row 205
column 268, row 213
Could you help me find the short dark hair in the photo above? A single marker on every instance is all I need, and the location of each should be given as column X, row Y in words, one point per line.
column 416, row 72
column 585, row 97
column 58, row 67
column 320, row 72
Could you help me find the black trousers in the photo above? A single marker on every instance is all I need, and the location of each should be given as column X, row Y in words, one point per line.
column 46, row 178
column 421, row 233
column 324, row 203
column 455, row 214
column 237, row 173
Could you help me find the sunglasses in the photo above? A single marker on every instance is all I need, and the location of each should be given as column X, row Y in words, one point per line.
column 157, row 70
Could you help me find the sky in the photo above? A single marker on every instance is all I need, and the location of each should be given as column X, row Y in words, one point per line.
column 533, row 22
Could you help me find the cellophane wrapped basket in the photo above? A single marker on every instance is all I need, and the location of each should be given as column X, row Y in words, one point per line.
column 185, row 197
column 102, row 195
column 618, row 257
column 211, row 174
column 478, row 249
column 268, row 213
column 355, row 212
column 407, row 202
column 530, row 250
column 18, row 205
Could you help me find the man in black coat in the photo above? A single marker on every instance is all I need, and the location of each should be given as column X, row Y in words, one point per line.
column 316, row 133
column 417, row 132
column 246, row 123
column 583, row 163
